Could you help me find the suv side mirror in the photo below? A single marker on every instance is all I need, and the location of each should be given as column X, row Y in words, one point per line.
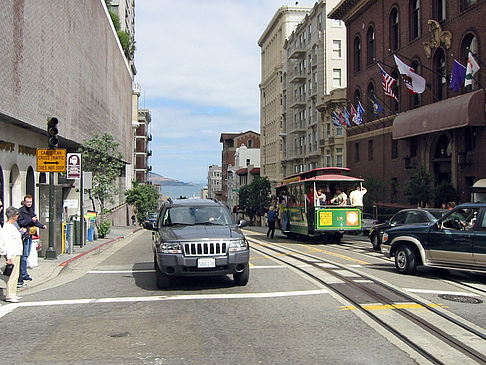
column 243, row 223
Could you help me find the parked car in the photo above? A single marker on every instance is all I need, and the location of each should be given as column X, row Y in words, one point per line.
column 198, row 237
column 367, row 223
column 404, row 216
column 455, row 241
column 150, row 219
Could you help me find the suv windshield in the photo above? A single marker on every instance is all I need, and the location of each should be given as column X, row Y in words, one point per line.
column 210, row 215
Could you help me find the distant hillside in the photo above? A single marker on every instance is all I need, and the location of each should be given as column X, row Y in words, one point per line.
column 165, row 181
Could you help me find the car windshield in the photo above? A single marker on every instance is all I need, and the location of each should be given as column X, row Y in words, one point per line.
column 209, row 215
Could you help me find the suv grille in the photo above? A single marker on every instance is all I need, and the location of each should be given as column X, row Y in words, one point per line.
column 205, row 248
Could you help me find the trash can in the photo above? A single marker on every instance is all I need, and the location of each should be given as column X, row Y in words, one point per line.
column 76, row 225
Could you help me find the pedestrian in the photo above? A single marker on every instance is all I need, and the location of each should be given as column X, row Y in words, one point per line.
column 271, row 219
column 339, row 198
column 320, row 198
column 13, row 251
column 356, row 196
column 27, row 219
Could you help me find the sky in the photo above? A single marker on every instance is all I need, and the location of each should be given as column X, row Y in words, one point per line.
column 198, row 66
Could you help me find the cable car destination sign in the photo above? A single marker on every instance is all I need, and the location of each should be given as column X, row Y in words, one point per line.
column 51, row 160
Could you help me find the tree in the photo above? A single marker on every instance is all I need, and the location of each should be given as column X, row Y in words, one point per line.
column 419, row 190
column 444, row 193
column 254, row 198
column 144, row 197
column 101, row 156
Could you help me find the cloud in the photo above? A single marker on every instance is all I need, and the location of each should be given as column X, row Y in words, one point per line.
column 198, row 65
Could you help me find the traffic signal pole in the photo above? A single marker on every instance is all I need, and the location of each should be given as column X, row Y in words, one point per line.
column 51, row 251
column 53, row 141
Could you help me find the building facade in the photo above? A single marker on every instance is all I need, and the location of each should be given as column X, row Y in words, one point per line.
column 214, row 181
column 231, row 141
column 439, row 130
column 273, row 58
column 76, row 72
column 142, row 146
column 315, row 66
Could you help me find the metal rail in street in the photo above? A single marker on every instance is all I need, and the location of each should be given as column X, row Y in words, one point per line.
column 389, row 296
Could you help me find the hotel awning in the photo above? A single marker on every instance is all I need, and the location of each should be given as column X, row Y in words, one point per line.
column 460, row 111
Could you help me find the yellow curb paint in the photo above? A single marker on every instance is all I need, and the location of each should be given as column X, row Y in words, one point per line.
column 372, row 307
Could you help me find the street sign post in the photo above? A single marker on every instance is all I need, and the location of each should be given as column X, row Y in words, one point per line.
column 51, row 160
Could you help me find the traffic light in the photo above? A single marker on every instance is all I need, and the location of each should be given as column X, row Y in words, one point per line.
column 52, row 132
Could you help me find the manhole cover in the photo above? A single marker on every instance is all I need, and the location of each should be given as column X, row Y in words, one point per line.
column 124, row 334
column 460, row 298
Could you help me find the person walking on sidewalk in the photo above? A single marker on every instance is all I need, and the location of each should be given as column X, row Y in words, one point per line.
column 27, row 219
column 13, row 251
column 271, row 219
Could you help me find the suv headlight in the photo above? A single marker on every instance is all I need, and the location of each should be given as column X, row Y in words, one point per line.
column 238, row 245
column 170, row 247
column 385, row 237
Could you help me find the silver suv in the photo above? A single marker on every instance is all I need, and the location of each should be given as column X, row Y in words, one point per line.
column 198, row 237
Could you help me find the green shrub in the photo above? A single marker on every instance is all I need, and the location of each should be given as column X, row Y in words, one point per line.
column 104, row 228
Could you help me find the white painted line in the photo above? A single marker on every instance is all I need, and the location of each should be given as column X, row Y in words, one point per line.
column 354, row 265
column 119, row 271
column 8, row 308
column 426, row 291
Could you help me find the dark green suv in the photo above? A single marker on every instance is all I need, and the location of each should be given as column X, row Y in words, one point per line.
column 455, row 241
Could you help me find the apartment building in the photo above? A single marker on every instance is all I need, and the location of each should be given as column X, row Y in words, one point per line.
column 273, row 58
column 142, row 145
column 315, row 66
column 214, row 181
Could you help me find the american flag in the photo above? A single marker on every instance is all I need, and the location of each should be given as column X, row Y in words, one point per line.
column 387, row 82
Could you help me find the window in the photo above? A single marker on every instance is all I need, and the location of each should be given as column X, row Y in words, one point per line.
column 394, row 30
column 370, row 150
column 356, row 152
column 336, row 23
column 470, row 43
column 357, row 97
column 319, row 21
column 339, row 157
column 336, row 49
column 370, row 45
column 440, row 89
column 339, row 131
column 369, row 110
column 394, row 151
column 247, row 161
column 468, row 3
column 250, row 143
column 439, row 10
column 357, row 54
column 336, row 77
column 414, row 19
column 328, row 129
column 328, row 158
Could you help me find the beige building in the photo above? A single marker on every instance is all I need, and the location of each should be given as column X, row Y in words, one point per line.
column 273, row 58
column 315, row 66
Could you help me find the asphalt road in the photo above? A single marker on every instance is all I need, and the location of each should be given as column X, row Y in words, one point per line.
column 107, row 310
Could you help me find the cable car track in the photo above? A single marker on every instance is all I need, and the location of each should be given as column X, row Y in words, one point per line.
column 388, row 296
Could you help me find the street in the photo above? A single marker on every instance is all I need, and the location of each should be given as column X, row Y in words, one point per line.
column 107, row 309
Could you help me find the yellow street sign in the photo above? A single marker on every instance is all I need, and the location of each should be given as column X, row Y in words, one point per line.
column 51, row 160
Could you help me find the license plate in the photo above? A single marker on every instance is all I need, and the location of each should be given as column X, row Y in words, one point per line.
column 206, row 262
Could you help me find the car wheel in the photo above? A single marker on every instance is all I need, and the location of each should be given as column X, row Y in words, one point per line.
column 241, row 278
column 375, row 241
column 405, row 260
column 163, row 280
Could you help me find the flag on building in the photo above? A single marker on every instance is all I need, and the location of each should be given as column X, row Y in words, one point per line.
column 340, row 115
column 472, row 68
column 335, row 119
column 360, row 112
column 457, row 77
column 354, row 115
column 377, row 108
column 414, row 82
column 388, row 82
column 346, row 116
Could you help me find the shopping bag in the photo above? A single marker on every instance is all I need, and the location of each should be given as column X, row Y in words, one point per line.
column 32, row 259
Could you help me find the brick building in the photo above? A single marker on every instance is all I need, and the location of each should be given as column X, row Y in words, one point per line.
column 231, row 141
column 439, row 129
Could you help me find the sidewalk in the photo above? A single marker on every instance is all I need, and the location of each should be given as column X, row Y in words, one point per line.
column 49, row 269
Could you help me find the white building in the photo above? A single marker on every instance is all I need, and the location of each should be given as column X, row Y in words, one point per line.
column 214, row 182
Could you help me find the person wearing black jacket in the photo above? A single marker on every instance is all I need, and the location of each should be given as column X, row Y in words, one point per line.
column 27, row 219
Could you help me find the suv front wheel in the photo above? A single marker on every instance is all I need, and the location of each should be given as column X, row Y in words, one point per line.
column 241, row 278
column 405, row 260
column 163, row 280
